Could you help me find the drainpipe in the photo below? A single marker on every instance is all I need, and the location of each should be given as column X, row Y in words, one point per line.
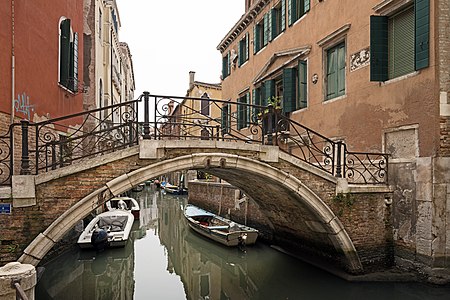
column 13, row 61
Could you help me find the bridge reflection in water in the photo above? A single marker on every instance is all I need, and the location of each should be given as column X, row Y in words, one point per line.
column 166, row 260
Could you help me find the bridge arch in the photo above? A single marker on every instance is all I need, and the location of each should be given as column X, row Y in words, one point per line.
column 300, row 202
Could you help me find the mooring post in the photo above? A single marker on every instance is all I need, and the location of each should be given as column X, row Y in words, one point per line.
column 17, row 281
column 146, row 116
column 25, row 163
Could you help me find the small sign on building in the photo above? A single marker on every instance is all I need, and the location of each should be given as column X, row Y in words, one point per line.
column 5, row 208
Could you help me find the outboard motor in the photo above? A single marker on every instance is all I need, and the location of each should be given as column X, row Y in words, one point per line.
column 99, row 239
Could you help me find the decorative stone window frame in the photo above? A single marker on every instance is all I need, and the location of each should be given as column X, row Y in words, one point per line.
column 390, row 7
column 336, row 37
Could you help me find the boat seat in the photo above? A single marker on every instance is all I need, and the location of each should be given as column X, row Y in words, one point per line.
column 223, row 227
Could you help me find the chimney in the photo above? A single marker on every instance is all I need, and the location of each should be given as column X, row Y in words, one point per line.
column 191, row 79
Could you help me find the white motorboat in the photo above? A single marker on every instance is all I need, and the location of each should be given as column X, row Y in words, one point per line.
column 108, row 229
column 125, row 203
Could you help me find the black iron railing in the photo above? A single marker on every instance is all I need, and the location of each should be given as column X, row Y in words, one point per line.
column 62, row 141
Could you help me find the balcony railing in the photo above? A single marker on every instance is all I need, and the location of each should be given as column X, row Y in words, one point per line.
column 57, row 142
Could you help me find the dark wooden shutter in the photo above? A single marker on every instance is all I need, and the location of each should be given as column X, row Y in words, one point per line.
column 306, row 6
column 289, row 91
column 341, row 69
column 303, row 84
column 240, row 53
column 269, row 91
column 291, row 16
column 422, row 30
column 266, row 28
column 247, row 109
column 64, row 54
column 75, row 62
column 247, row 42
column 379, row 48
column 256, row 38
column 283, row 15
column 273, row 23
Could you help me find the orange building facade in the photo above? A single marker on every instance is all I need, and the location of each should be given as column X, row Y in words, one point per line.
column 41, row 60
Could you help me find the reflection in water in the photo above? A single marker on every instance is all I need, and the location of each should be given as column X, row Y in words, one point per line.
column 166, row 260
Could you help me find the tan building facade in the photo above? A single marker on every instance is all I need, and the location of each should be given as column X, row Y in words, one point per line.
column 373, row 74
column 109, row 73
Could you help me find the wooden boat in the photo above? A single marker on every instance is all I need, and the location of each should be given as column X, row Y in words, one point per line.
column 219, row 229
column 175, row 189
column 125, row 203
column 108, row 229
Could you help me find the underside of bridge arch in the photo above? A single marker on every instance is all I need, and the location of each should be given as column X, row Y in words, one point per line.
column 300, row 218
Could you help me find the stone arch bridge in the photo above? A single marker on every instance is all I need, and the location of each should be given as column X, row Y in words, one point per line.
column 296, row 197
column 298, row 178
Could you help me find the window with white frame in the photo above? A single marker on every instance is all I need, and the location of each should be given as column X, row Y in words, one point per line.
column 68, row 56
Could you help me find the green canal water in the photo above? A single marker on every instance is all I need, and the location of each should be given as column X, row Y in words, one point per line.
column 166, row 260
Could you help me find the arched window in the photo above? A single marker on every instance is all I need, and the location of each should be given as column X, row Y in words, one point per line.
column 68, row 56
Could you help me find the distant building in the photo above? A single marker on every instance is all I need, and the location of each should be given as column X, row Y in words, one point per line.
column 374, row 74
column 109, row 72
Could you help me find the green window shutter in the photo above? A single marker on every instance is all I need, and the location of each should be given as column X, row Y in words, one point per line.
column 289, row 99
column 266, row 29
column 228, row 63
column 223, row 119
column 341, row 70
column 240, row 114
column 255, row 39
column 401, row 43
column 247, row 42
column 75, row 62
column 331, row 73
column 269, row 91
column 273, row 23
column 64, row 55
column 241, row 52
column 303, row 83
column 269, row 28
column 422, row 30
column 306, row 6
column 247, row 109
column 283, row 15
column 290, row 12
column 254, row 111
column 379, row 48
column 224, row 67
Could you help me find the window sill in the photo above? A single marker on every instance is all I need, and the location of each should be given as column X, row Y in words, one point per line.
column 245, row 62
column 326, row 101
column 260, row 50
column 400, row 78
column 280, row 34
column 66, row 89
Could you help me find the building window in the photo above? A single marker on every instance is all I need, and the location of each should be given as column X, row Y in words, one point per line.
column 296, row 9
column 243, row 49
column 204, row 109
column 335, row 71
column 226, row 65
column 243, row 116
column 278, row 19
column 68, row 56
column 225, row 120
column 399, row 43
column 295, row 87
column 100, row 22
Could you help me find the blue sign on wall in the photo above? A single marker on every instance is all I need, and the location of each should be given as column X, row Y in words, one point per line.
column 5, row 208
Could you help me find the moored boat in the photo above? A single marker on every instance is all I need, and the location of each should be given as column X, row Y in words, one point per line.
column 125, row 203
column 108, row 229
column 219, row 229
column 175, row 189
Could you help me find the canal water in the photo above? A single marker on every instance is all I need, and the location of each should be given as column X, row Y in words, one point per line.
column 166, row 260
